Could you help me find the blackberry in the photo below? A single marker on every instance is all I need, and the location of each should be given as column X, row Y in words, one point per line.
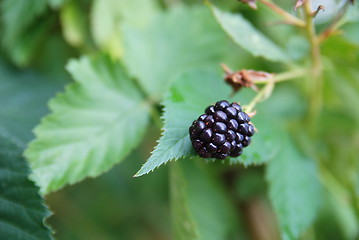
column 224, row 130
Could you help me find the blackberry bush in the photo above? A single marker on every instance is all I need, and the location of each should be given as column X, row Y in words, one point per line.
column 224, row 130
column 138, row 70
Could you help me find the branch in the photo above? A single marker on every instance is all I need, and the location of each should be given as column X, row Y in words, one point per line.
column 289, row 18
column 316, row 68
column 299, row 72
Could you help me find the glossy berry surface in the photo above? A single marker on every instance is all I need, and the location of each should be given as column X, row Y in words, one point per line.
column 224, row 130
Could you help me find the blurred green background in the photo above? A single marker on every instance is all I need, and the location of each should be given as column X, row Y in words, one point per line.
column 38, row 39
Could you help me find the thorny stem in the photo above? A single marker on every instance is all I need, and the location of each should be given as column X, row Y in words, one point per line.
column 289, row 18
column 316, row 68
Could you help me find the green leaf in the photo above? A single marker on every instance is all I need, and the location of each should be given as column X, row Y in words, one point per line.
column 185, row 101
column 294, row 190
column 94, row 124
column 24, row 28
column 200, row 208
column 264, row 144
column 22, row 211
column 247, row 36
column 107, row 15
column 19, row 14
column 23, row 49
column 23, row 97
column 174, row 42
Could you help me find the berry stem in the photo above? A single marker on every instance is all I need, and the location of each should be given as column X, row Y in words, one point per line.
column 263, row 94
column 285, row 76
column 289, row 18
column 266, row 91
column 316, row 66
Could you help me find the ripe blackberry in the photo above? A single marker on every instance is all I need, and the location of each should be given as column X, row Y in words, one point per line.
column 224, row 130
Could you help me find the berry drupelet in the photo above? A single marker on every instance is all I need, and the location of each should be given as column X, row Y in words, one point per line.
column 224, row 130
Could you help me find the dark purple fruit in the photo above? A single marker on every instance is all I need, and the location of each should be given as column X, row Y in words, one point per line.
column 202, row 117
column 210, row 110
column 237, row 150
column 211, row 148
column 220, row 116
column 250, row 130
column 247, row 140
column 232, row 125
column 220, row 105
column 239, row 137
column 224, row 130
column 206, row 135
column 230, row 135
column 209, row 120
column 204, row 153
column 220, row 155
column 231, row 112
column 243, row 129
column 237, row 106
column 220, row 127
column 218, row 139
column 225, row 147
column 197, row 144
column 241, row 117
column 200, row 126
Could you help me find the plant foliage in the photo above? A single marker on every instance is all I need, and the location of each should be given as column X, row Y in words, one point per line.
column 85, row 85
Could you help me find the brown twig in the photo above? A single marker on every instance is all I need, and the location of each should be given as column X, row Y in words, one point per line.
column 319, row 8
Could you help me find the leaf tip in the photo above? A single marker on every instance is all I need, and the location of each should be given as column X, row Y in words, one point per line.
column 139, row 173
